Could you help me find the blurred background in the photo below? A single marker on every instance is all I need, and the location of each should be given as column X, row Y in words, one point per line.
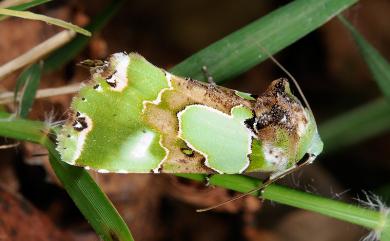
column 326, row 63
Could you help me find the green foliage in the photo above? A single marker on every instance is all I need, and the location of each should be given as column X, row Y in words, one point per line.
column 379, row 67
column 250, row 45
column 49, row 20
column 66, row 53
column 25, row 6
column 28, row 80
column 356, row 125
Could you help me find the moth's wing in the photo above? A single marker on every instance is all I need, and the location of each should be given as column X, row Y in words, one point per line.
column 198, row 128
column 106, row 131
column 125, row 119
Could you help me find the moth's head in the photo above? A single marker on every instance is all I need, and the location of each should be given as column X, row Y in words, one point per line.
column 282, row 121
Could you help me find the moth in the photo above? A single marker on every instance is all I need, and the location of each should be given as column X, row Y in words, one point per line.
column 133, row 117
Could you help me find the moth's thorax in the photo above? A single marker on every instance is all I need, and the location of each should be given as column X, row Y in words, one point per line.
column 282, row 125
column 278, row 108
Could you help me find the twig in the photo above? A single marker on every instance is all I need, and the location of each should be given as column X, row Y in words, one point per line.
column 7, row 146
column 7, row 97
column 9, row 3
column 37, row 52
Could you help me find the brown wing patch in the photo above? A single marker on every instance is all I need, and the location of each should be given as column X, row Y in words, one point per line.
column 163, row 118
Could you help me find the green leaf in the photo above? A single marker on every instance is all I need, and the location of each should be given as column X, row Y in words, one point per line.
column 244, row 48
column 29, row 79
column 91, row 201
column 25, row 6
column 86, row 194
column 333, row 208
column 65, row 54
column 49, row 20
column 379, row 67
column 356, row 125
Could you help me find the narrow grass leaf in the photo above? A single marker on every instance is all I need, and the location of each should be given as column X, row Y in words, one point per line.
column 91, row 201
column 26, row 89
column 244, row 48
column 25, row 6
column 347, row 212
column 66, row 53
column 49, row 20
column 86, row 194
column 379, row 67
column 356, row 125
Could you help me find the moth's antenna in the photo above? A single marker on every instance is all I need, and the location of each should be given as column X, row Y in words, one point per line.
column 231, row 200
column 289, row 75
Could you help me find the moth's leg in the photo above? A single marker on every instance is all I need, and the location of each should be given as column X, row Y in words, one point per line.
column 207, row 75
column 307, row 159
column 39, row 154
column 207, row 178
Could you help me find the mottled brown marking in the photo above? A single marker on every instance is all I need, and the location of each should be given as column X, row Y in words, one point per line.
column 278, row 111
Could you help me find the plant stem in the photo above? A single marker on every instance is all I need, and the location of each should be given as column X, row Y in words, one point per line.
column 365, row 217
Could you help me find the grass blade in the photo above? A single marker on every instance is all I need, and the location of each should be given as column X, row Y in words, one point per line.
column 28, row 5
column 371, row 219
column 241, row 50
column 356, row 125
column 66, row 53
column 29, row 79
column 86, row 194
column 49, row 20
column 379, row 67
column 25, row 6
